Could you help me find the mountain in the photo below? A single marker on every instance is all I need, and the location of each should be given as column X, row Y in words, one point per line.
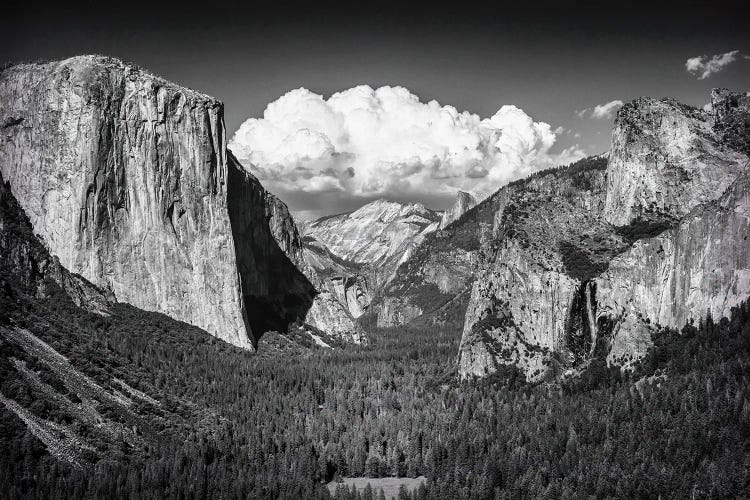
column 101, row 399
column 380, row 234
column 127, row 179
column 435, row 282
column 592, row 258
column 131, row 403
column 87, row 381
column 351, row 256
column 593, row 262
column 464, row 202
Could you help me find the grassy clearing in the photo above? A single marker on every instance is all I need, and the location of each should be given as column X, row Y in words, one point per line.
column 390, row 485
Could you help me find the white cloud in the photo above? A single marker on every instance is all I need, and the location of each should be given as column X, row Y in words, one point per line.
column 600, row 111
column 366, row 143
column 703, row 66
column 606, row 110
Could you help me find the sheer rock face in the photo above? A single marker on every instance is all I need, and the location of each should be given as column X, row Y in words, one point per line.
column 665, row 160
column 127, row 180
column 593, row 263
column 702, row 266
column 275, row 291
column 338, row 301
column 464, row 202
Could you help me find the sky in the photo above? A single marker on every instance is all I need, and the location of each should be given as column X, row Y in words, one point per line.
column 347, row 93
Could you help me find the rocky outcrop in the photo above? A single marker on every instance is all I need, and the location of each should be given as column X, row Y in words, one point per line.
column 127, row 179
column 342, row 292
column 444, row 267
column 586, row 262
column 464, row 202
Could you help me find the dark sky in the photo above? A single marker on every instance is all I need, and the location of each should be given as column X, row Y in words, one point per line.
column 548, row 60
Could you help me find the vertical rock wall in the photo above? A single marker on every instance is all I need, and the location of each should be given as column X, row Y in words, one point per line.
column 125, row 177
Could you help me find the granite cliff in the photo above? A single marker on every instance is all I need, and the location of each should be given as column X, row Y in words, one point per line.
column 464, row 202
column 127, row 179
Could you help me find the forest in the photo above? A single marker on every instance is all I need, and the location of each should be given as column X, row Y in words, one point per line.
column 138, row 405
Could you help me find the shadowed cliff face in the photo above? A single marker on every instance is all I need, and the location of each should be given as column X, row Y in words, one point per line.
column 125, row 177
column 275, row 291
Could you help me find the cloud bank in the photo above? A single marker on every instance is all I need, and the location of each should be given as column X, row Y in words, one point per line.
column 369, row 143
column 601, row 111
column 703, row 66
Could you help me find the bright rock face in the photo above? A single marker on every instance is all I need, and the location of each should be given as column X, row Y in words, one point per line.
column 586, row 261
column 380, row 234
column 354, row 255
column 25, row 258
column 127, row 179
column 664, row 161
column 701, row 266
column 464, row 202
column 342, row 293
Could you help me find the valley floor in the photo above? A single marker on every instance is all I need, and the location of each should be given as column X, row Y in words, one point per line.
column 391, row 486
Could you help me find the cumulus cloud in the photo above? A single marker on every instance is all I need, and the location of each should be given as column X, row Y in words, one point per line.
column 705, row 66
column 606, row 110
column 368, row 143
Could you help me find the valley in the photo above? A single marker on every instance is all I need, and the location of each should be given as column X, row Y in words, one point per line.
column 168, row 329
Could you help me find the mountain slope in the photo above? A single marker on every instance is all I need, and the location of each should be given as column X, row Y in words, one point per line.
column 436, row 280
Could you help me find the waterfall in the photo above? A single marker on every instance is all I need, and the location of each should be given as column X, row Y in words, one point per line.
column 590, row 294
